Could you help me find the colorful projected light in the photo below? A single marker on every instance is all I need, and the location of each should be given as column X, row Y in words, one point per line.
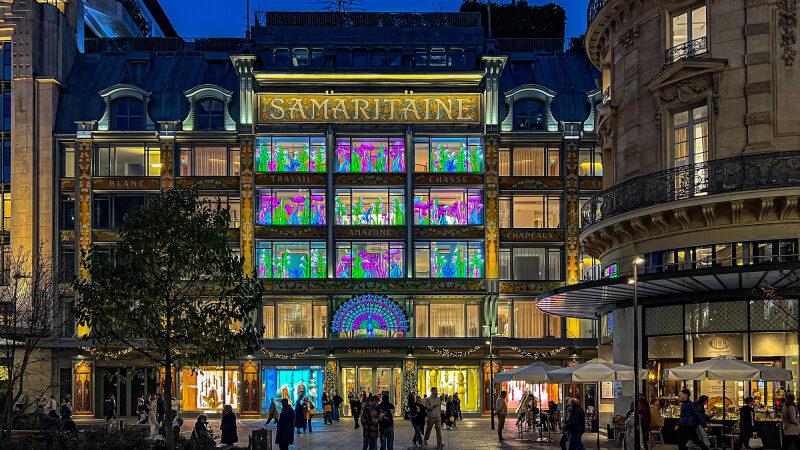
column 457, row 260
column 291, row 260
column 370, row 260
column 290, row 154
column 369, row 312
column 374, row 210
column 456, row 158
column 431, row 210
column 374, row 155
column 286, row 207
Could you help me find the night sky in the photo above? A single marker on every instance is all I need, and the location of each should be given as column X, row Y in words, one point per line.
column 226, row 18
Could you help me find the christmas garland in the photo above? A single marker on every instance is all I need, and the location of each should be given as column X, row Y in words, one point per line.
column 107, row 354
column 447, row 353
column 537, row 355
column 286, row 357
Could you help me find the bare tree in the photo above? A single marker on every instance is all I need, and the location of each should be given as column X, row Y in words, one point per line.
column 30, row 315
column 787, row 307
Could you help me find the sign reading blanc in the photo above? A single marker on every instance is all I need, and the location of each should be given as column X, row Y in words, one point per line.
column 369, row 108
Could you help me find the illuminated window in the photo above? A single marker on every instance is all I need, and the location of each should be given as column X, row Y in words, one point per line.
column 370, row 260
column 590, row 161
column 531, row 322
column 445, row 206
column 209, row 161
column 688, row 26
column 268, row 317
column 449, row 155
column 530, row 161
column 68, row 162
column 127, row 160
column 530, row 211
column 690, row 136
column 300, row 57
column 447, row 320
column 370, row 155
column 290, row 207
column 291, row 260
column 290, row 154
column 449, row 260
column 209, row 115
column 370, row 206
column 7, row 211
column 531, row 263
column 224, row 201
column 127, row 114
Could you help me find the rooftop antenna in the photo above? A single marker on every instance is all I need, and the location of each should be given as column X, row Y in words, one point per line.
column 489, row 8
column 247, row 27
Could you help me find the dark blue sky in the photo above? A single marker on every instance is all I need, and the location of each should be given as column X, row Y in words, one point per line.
column 226, row 18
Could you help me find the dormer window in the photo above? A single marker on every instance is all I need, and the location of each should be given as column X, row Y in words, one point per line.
column 210, row 115
column 529, row 115
column 127, row 115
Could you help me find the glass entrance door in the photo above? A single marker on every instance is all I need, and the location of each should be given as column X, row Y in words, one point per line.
column 372, row 381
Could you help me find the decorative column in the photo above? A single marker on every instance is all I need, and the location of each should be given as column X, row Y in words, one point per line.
column 83, row 197
column 572, row 214
column 166, row 137
column 246, row 193
column 492, row 213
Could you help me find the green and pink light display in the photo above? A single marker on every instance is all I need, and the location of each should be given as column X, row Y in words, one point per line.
column 290, row 207
column 448, row 207
column 290, row 154
column 369, row 312
column 370, row 155
column 283, row 260
column 449, row 155
column 370, row 260
column 370, row 207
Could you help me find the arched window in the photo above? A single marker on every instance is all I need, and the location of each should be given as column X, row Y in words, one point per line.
column 127, row 114
column 210, row 115
column 529, row 115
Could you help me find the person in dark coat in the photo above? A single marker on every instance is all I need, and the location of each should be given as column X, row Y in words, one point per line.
column 284, row 436
column 50, row 421
column 747, row 424
column 355, row 409
column 575, row 426
column 300, row 421
column 228, row 426
column 337, row 403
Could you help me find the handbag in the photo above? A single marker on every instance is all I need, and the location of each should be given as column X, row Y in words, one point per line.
column 327, row 408
column 755, row 443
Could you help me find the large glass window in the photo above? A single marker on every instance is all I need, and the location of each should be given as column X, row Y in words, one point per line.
column 207, row 389
column 290, row 154
column 224, row 201
column 450, row 380
column 108, row 210
column 529, row 115
column 209, row 115
column 209, row 161
column 66, row 219
column 290, row 207
column 370, row 260
column 530, row 161
column 530, row 211
column 421, row 320
column 445, row 206
column 291, row 260
column 531, row 263
column 448, row 155
column 363, row 155
column 127, row 114
column 370, row 206
column 688, row 26
column 447, row 320
column 67, row 162
column 531, row 322
column 449, row 259
column 590, row 161
column 130, row 160
column 294, row 320
column 690, row 136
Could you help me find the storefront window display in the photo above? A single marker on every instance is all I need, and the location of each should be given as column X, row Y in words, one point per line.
column 449, row 259
column 291, row 260
column 450, row 155
column 451, row 380
column 370, row 155
column 201, row 388
column 290, row 382
column 291, row 207
column 448, row 206
column 370, row 260
column 370, row 207
column 290, row 154
column 516, row 389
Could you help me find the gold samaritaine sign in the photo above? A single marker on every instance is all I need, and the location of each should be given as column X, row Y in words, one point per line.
column 369, row 108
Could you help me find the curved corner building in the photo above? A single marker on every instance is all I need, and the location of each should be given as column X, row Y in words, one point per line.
column 699, row 130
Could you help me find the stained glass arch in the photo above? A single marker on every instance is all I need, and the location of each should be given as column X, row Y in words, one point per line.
column 369, row 312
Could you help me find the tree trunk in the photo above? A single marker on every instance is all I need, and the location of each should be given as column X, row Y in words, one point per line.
column 168, row 434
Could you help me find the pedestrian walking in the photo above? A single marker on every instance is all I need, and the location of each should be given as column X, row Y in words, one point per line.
column 228, row 426
column 457, row 403
column 284, row 435
column 449, row 412
column 370, row 422
column 300, row 421
column 337, row 405
column 152, row 416
column 689, row 424
column 51, row 405
column 66, row 407
column 110, row 408
column 576, row 425
column 309, row 411
column 747, row 424
column 501, row 411
column 386, row 416
column 567, row 412
column 272, row 413
column 355, row 409
column 327, row 408
column 141, row 411
column 160, row 410
column 791, row 423
column 417, row 415
column 434, row 409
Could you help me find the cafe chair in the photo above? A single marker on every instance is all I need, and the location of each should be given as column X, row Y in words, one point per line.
column 656, row 437
column 732, row 437
column 619, row 430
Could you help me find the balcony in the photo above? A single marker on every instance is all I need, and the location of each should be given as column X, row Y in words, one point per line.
column 367, row 19
column 686, row 50
column 740, row 173
column 594, row 7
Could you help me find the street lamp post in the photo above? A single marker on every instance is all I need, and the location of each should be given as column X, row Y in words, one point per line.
column 636, row 263
column 491, row 373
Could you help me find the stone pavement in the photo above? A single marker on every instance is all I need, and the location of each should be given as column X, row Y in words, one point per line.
column 468, row 435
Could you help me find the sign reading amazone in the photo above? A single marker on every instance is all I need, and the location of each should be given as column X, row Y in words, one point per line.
column 369, row 108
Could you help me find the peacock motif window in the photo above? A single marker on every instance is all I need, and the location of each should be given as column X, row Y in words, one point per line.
column 370, row 207
column 283, row 260
column 370, row 260
column 449, row 260
column 448, row 155
column 448, row 206
column 290, row 154
column 369, row 155
column 290, row 207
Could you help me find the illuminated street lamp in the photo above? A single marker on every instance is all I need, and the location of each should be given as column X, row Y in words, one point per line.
column 490, row 342
column 638, row 261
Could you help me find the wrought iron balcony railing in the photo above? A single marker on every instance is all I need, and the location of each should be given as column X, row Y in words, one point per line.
column 594, row 7
column 367, row 19
column 686, row 50
column 719, row 176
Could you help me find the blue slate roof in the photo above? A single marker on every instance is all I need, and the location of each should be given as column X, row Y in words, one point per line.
column 170, row 75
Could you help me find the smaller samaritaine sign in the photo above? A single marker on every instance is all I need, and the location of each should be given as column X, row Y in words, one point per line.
column 369, row 108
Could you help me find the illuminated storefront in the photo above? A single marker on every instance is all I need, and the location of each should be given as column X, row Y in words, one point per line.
column 293, row 383
column 202, row 388
column 451, row 380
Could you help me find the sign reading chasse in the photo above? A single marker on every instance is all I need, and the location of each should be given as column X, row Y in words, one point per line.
column 369, row 108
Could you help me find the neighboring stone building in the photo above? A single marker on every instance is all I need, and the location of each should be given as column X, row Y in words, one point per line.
column 699, row 128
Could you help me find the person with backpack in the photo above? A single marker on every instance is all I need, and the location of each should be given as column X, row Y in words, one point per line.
column 370, row 422
column 386, row 413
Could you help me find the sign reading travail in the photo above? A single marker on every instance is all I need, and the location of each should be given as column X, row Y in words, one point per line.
column 369, row 108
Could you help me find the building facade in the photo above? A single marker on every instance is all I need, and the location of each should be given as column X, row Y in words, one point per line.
column 398, row 167
column 699, row 137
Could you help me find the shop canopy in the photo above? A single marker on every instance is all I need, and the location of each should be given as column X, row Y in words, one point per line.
column 535, row 373
column 594, row 371
column 726, row 367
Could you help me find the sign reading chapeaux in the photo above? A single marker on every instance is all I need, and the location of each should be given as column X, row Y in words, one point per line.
column 369, row 108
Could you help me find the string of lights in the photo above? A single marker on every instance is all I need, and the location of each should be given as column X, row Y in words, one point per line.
column 287, row 357
column 447, row 353
column 537, row 355
column 111, row 354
